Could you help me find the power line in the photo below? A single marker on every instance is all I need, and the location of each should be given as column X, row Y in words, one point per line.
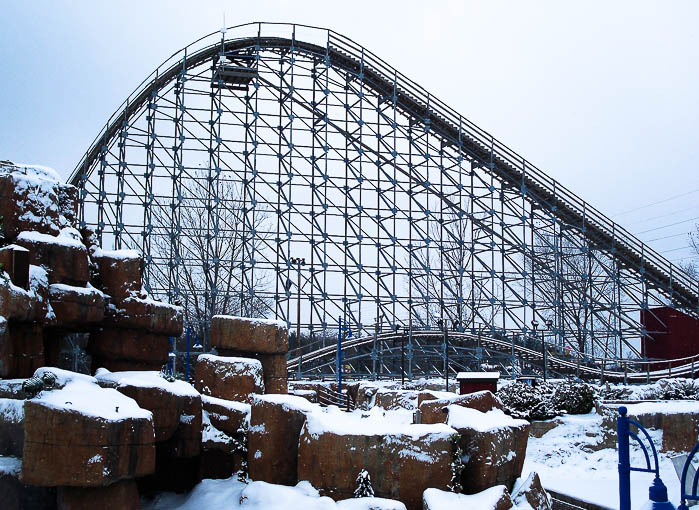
column 676, row 249
column 668, row 225
column 663, row 215
column 668, row 237
column 658, row 202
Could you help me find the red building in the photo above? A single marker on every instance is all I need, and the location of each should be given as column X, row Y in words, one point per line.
column 471, row 382
column 671, row 334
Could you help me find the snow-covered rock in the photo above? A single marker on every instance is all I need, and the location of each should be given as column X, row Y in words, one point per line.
column 229, row 378
column 83, row 435
column 273, row 437
column 402, row 459
column 249, row 335
column 493, row 445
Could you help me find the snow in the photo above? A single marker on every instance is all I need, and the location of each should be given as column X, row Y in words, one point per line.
column 442, row 500
column 230, row 366
column 61, row 288
column 31, row 171
column 211, row 434
column 80, row 393
column 465, row 417
column 477, row 376
column 663, row 407
column 11, row 410
column 144, row 297
column 145, row 379
column 10, row 465
column 233, row 405
column 332, row 420
column 570, row 459
column 370, row 504
column 288, row 402
column 253, row 322
column 115, row 254
column 31, row 236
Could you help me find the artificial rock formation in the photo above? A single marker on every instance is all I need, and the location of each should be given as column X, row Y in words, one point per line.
column 229, row 378
column 55, row 282
column 494, row 445
column 402, row 460
column 273, row 437
column 433, row 410
column 264, row 340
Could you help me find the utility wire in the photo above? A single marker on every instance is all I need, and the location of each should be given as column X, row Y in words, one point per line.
column 668, row 237
column 668, row 225
column 663, row 215
column 656, row 203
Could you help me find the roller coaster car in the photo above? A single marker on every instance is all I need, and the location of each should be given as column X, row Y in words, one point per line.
column 232, row 76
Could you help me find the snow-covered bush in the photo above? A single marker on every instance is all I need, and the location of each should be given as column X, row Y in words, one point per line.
column 530, row 403
column 673, row 389
column 574, row 398
column 614, row 392
column 364, row 488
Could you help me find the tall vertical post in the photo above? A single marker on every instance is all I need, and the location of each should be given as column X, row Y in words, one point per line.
column 446, row 356
column 186, row 376
column 622, row 428
column 339, row 356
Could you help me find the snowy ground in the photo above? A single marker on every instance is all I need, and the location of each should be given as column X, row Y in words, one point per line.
column 569, row 461
column 232, row 494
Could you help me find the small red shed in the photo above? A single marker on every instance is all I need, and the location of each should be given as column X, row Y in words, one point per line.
column 471, row 382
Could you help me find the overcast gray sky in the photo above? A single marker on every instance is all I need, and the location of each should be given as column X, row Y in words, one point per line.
column 601, row 95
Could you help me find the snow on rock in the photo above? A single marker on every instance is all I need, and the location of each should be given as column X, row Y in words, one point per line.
column 402, row 459
column 227, row 415
column 80, row 434
column 80, row 393
column 462, row 417
column 275, row 425
column 31, row 172
column 433, row 410
column 11, row 427
column 60, row 240
column 10, row 465
column 494, row 498
column 145, row 379
column 26, row 305
column 529, row 493
column 210, row 435
column 11, row 410
column 493, row 445
column 229, row 378
column 396, row 399
column 97, row 252
column 241, row 334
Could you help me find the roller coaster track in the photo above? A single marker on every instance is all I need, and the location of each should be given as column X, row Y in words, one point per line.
column 637, row 371
column 505, row 164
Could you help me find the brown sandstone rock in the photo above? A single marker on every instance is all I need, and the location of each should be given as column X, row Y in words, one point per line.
column 64, row 258
column 17, row 304
column 121, row 272
column 483, row 401
column 402, row 461
column 27, row 205
column 532, row 492
column 229, row 378
column 14, row 260
column 226, row 415
column 168, row 401
column 146, row 314
column 273, row 437
column 274, row 370
column 396, row 399
column 118, row 496
column 129, row 346
column 21, row 349
column 494, row 444
column 251, row 335
column 11, row 427
column 76, row 306
column 85, row 436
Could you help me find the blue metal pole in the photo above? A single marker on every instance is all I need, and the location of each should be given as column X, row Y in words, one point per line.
column 622, row 428
column 187, row 369
column 169, row 357
column 339, row 356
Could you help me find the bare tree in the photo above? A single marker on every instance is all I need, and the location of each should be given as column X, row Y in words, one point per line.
column 691, row 267
column 216, row 236
column 445, row 272
column 578, row 279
